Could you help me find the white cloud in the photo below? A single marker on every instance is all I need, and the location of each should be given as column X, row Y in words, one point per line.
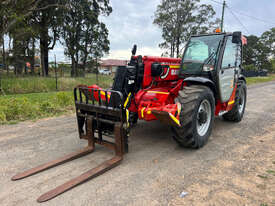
column 125, row 54
column 131, row 22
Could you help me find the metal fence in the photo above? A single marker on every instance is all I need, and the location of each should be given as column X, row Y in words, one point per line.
column 58, row 80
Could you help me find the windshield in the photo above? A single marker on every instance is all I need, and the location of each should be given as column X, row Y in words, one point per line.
column 200, row 50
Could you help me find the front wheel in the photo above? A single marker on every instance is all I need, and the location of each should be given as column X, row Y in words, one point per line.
column 237, row 112
column 196, row 117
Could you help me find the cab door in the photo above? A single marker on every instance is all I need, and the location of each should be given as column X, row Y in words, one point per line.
column 227, row 70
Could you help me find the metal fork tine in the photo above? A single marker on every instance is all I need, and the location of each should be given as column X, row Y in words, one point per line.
column 53, row 163
column 104, row 167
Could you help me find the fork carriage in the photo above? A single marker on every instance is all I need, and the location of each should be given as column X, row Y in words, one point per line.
column 99, row 113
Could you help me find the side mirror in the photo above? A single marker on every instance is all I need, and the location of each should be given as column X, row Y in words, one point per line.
column 237, row 37
column 134, row 50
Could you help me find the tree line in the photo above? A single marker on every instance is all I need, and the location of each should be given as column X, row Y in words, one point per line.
column 29, row 24
column 35, row 26
column 259, row 53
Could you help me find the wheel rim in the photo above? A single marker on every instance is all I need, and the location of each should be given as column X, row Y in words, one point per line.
column 203, row 117
column 241, row 101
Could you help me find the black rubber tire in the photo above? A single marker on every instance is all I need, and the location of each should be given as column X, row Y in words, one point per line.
column 190, row 99
column 234, row 115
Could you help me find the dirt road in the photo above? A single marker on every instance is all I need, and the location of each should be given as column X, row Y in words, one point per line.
column 236, row 167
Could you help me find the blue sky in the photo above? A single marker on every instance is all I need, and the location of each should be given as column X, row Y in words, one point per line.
column 131, row 23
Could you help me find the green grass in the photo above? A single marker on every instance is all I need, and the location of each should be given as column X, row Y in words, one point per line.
column 20, row 107
column 24, row 85
column 255, row 80
column 30, row 98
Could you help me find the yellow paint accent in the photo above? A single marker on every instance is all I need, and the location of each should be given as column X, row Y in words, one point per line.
column 174, row 119
column 157, row 92
column 141, row 111
column 127, row 100
column 231, row 102
column 179, row 108
column 174, row 66
column 103, row 93
column 149, row 112
column 127, row 117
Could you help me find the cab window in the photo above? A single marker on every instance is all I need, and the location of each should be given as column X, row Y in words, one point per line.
column 230, row 52
column 197, row 51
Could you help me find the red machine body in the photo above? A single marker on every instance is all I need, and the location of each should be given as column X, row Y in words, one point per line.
column 157, row 95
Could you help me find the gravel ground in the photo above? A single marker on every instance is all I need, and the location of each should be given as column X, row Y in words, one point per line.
column 234, row 168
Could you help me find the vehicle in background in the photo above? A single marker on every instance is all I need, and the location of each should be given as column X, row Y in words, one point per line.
column 11, row 67
column 104, row 71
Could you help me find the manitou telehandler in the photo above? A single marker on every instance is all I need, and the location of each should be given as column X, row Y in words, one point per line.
column 185, row 93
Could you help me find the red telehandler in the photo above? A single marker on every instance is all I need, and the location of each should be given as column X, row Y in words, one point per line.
column 185, row 93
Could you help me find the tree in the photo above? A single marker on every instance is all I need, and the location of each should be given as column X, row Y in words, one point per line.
column 14, row 11
column 84, row 35
column 23, row 33
column 256, row 53
column 2, row 43
column 41, row 14
column 179, row 19
column 268, row 39
column 95, row 45
column 48, row 23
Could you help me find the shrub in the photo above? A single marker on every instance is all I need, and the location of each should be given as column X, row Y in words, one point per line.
column 250, row 67
column 47, row 107
column 2, row 114
column 64, row 99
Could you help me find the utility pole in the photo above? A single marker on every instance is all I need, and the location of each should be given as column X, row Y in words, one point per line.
column 223, row 7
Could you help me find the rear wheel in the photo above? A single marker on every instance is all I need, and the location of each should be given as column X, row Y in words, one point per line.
column 237, row 112
column 196, row 117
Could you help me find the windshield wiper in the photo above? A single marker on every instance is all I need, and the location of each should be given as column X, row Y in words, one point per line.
column 214, row 53
column 208, row 59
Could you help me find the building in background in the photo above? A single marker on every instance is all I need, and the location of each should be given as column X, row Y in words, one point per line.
column 112, row 64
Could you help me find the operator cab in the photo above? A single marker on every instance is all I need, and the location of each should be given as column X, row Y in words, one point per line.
column 216, row 57
column 201, row 54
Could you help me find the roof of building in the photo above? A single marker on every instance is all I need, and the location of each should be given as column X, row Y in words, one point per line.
column 113, row 62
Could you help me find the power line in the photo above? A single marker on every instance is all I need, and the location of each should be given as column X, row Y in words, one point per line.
column 244, row 14
column 253, row 17
column 237, row 19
